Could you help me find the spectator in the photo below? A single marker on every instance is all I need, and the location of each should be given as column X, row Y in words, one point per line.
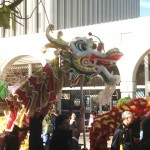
column 92, row 116
column 142, row 119
column 46, row 129
column 73, row 120
column 135, row 127
column 73, row 142
column 62, row 134
column 12, row 139
column 123, row 138
column 54, row 115
column 35, row 128
column 145, row 142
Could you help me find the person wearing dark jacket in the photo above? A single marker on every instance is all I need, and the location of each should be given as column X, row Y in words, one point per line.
column 73, row 142
column 62, row 134
column 123, row 135
column 12, row 141
column 35, row 129
column 145, row 142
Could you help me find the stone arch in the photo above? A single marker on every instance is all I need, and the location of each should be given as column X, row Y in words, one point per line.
column 138, row 63
column 128, row 71
column 128, row 85
column 8, row 64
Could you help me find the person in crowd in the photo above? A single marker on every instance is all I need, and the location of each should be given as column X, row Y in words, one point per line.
column 73, row 120
column 12, row 141
column 123, row 138
column 136, row 127
column 92, row 116
column 46, row 129
column 141, row 122
column 63, row 133
column 35, row 129
column 73, row 142
column 54, row 115
column 145, row 142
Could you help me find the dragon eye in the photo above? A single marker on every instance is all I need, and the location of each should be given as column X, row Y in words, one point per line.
column 81, row 45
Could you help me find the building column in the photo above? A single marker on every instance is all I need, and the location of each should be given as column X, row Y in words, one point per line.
column 59, row 102
column 29, row 70
column 146, row 70
column 128, row 89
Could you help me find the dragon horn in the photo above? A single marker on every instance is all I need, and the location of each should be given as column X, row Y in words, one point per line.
column 57, row 43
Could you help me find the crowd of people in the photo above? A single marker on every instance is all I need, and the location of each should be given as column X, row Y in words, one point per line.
column 66, row 132
column 62, row 132
column 124, row 138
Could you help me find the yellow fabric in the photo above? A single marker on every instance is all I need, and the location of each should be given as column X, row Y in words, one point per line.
column 19, row 119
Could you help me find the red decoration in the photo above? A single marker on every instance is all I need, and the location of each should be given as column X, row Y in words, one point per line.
column 104, row 125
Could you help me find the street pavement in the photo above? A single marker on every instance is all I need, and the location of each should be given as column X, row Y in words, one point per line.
column 87, row 143
column 81, row 142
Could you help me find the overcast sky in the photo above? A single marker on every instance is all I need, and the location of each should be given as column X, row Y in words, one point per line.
column 144, row 7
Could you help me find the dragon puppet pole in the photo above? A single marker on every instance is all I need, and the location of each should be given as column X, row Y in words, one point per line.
column 83, row 104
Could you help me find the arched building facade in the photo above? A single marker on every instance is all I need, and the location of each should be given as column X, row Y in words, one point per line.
column 130, row 36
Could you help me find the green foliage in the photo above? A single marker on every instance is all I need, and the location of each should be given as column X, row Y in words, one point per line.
column 5, row 14
column 122, row 101
column 5, row 17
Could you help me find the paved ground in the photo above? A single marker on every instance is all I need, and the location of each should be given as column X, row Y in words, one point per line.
column 81, row 141
column 87, row 142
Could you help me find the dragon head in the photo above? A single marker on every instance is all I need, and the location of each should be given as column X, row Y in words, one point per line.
column 83, row 57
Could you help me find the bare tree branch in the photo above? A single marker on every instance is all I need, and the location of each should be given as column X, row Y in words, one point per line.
column 14, row 4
